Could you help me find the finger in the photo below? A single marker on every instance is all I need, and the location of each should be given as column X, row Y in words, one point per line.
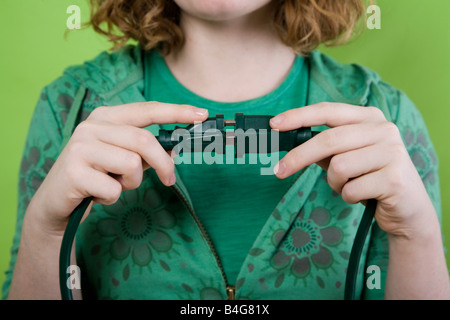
column 145, row 144
column 144, row 114
column 329, row 114
column 369, row 186
column 124, row 165
column 102, row 187
column 353, row 164
column 140, row 141
column 325, row 163
column 331, row 142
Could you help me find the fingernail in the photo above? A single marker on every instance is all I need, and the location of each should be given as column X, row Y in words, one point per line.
column 172, row 180
column 200, row 111
column 279, row 168
column 277, row 120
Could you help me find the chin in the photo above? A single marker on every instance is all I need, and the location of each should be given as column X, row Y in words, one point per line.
column 220, row 10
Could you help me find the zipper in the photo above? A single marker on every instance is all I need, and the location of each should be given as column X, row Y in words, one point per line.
column 231, row 291
column 229, row 288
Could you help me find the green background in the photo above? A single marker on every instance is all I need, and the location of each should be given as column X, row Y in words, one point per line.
column 411, row 52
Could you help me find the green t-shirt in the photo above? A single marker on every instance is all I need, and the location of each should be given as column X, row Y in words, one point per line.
column 221, row 199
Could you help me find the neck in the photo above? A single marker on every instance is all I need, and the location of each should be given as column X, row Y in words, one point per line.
column 233, row 60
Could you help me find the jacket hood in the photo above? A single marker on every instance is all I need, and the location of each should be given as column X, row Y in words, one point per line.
column 111, row 73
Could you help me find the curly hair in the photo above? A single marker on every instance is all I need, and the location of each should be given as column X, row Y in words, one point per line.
column 301, row 24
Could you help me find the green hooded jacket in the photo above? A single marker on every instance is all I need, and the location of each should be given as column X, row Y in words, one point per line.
column 151, row 245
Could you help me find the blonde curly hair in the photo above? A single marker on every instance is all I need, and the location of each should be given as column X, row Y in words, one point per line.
column 301, row 24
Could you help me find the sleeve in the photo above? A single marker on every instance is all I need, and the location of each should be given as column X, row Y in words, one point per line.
column 422, row 152
column 42, row 147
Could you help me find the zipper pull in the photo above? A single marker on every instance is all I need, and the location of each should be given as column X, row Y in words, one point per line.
column 231, row 293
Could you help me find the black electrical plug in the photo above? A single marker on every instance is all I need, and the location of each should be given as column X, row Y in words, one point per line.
column 249, row 131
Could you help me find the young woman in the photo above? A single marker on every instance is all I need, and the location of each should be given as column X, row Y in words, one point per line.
column 157, row 230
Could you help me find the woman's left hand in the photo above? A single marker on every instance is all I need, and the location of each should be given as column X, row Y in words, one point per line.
column 365, row 158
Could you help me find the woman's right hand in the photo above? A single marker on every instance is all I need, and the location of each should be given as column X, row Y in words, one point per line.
column 106, row 154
